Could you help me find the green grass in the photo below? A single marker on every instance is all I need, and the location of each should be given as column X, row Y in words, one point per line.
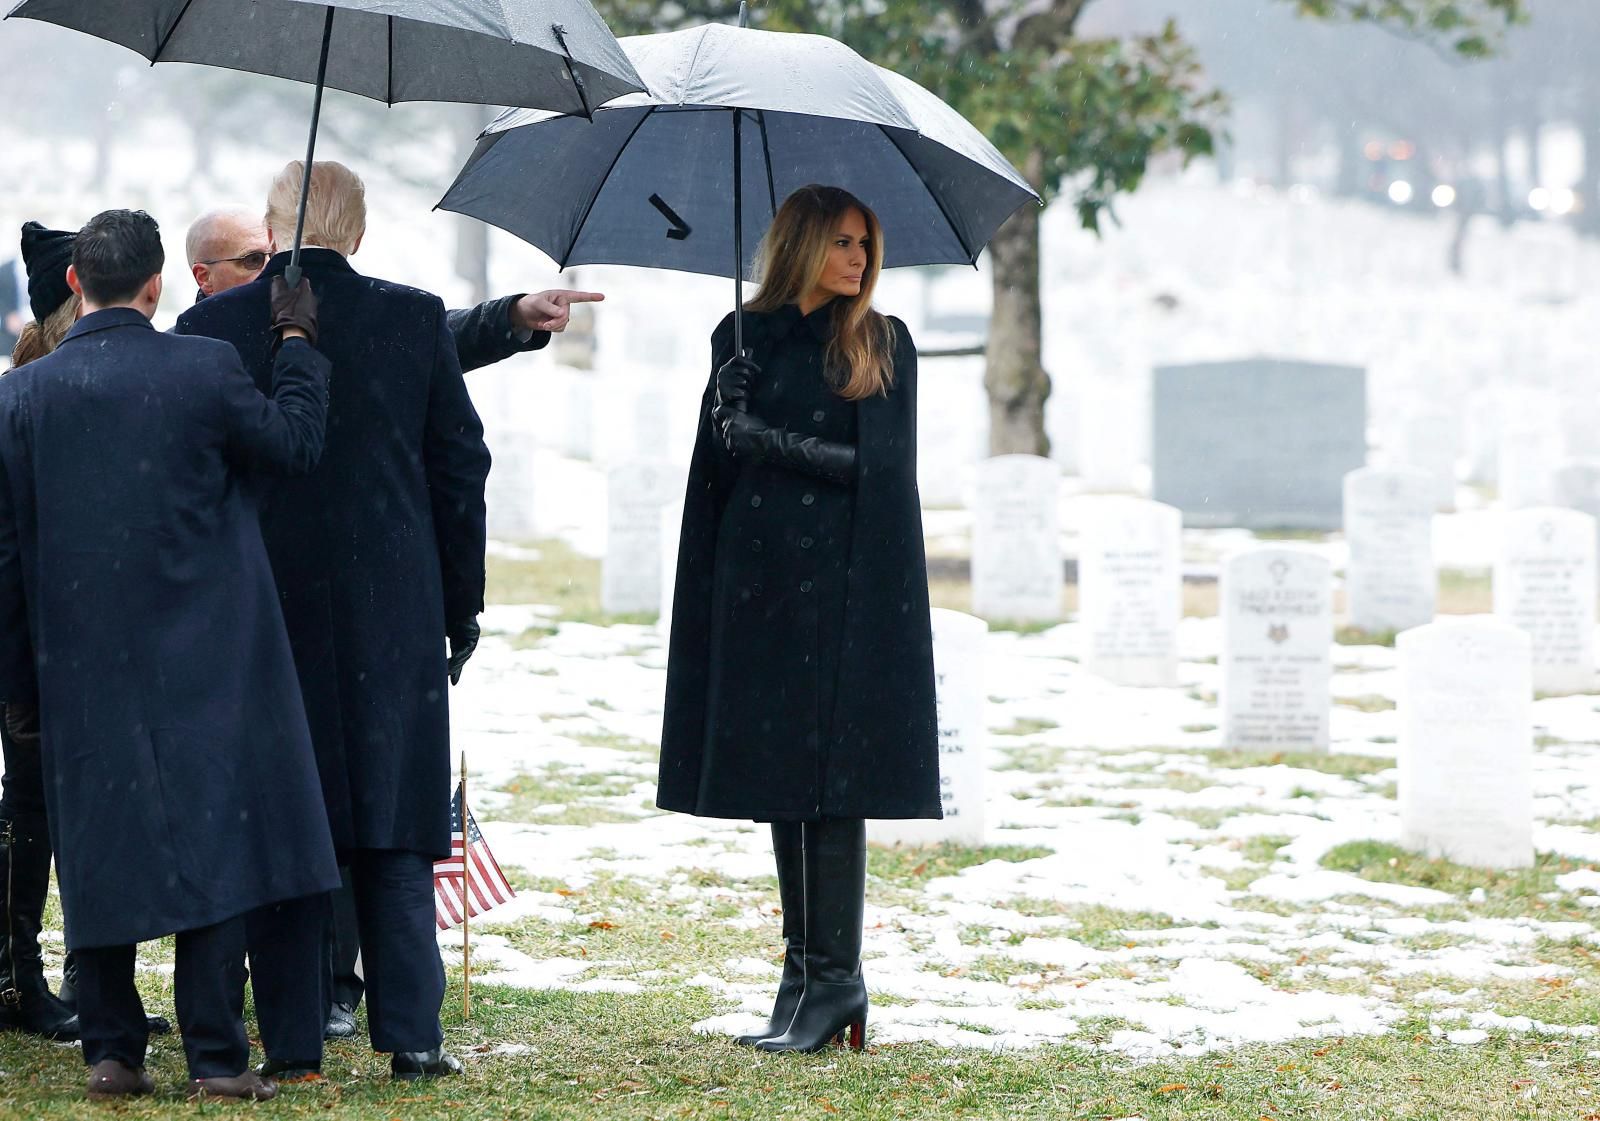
column 1355, row 636
column 560, row 578
column 1508, row 893
column 634, row 1058
column 1367, row 702
column 1345, row 766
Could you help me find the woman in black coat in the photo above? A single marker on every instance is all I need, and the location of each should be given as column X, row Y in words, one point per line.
column 800, row 676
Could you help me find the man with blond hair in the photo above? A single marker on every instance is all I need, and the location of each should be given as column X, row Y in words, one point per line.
column 379, row 560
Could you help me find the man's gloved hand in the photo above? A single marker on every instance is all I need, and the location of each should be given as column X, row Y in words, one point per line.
column 294, row 311
column 463, row 641
column 733, row 383
column 22, row 721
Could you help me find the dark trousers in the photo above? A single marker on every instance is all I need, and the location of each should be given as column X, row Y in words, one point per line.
column 393, row 893
column 399, row 948
column 345, row 944
column 289, row 977
column 208, row 986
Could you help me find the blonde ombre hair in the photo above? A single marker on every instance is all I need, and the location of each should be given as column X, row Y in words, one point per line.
column 38, row 339
column 860, row 356
column 336, row 212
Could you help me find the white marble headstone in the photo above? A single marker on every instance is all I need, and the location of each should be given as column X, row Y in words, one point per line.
column 1017, row 568
column 1390, row 581
column 1466, row 743
column 1130, row 589
column 958, row 675
column 630, row 572
column 1527, row 467
column 1430, row 441
column 508, row 496
column 1544, row 582
column 1577, row 485
column 1277, row 649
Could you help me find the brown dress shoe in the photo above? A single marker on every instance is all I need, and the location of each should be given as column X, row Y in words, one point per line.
column 248, row 1086
column 112, row 1078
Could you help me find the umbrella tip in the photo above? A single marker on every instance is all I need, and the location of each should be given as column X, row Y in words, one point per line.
column 744, row 13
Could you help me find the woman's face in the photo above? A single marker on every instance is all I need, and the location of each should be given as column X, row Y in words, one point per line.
column 846, row 263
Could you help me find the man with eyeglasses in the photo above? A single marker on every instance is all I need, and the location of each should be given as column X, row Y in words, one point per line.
column 228, row 247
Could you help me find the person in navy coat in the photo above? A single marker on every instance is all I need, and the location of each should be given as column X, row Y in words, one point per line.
column 379, row 559
column 137, row 604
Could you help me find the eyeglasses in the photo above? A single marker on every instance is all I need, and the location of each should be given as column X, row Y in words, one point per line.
column 253, row 262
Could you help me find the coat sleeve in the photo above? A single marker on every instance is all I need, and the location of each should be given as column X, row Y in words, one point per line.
column 484, row 335
column 456, row 462
column 18, row 683
column 281, row 435
column 711, row 476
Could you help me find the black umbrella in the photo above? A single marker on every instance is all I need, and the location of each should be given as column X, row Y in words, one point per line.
column 738, row 114
column 553, row 54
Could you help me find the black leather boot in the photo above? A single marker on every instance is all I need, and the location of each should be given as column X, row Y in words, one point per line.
column 26, row 1002
column 834, row 1002
column 788, row 847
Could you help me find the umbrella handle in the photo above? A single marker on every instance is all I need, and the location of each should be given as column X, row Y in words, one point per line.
column 291, row 275
column 738, row 232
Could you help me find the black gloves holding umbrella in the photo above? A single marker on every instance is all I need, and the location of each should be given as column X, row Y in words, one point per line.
column 747, row 436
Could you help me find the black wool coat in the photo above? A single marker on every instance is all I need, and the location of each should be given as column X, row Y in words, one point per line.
column 179, row 775
column 800, row 671
column 379, row 548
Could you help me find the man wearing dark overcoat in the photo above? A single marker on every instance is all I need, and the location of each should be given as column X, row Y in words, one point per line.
column 137, row 604
column 379, row 560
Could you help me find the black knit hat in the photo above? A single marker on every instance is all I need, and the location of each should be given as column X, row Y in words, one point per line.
column 46, row 255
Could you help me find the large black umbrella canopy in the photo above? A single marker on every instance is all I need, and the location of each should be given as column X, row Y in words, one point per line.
column 552, row 54
column 652, row 180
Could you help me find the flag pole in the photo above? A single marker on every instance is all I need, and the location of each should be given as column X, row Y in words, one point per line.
column 466, row 893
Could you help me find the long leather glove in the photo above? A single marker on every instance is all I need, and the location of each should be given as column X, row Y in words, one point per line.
column 749, row 437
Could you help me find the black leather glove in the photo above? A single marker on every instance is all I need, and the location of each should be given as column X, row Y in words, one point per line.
column 733, row 383
column 749, row 437
column 22, row 722
column 463, row 641
column 296, row 307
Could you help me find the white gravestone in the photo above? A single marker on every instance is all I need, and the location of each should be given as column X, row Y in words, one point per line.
column 671, row 533
column 1544, row 582
column 1430, row 441
column 958, row 675
column 509, row 491
column 1527, row 467
column 1390, row 581
column 1577, row 485
column 1466, row 742
column 1017, row 569
column 1277, row 647
column 630, row 573
column 1130, row 589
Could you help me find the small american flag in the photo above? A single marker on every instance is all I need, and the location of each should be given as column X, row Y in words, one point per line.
column 450, row 890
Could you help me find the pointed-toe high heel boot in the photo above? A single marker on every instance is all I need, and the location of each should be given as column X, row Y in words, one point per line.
column 834, row 1002
column 788, row 847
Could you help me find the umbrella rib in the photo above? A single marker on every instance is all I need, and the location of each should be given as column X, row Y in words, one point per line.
column 577, row 230
column 972, row 258
column 172, row 30
column 389, row 87
column 766, row 155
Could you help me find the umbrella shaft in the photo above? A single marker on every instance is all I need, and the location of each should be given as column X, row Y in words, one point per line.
column 292, row 274
column 738, row 233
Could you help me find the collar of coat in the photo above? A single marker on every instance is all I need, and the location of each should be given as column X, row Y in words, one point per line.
column 312, row 258
column 787, row 319
column 106, row 319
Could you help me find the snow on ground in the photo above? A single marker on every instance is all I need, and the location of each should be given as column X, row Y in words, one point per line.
column 1152, row 896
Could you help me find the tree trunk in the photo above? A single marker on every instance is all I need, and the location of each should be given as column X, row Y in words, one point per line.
column 472, row 236
column 1015, row 377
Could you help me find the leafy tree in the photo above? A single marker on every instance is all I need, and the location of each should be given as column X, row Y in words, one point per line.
column 1080, row 117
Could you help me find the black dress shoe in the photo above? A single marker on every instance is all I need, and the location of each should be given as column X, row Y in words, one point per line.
column 158, row 1025
column 290, row 1070
column 341, row 1021
column 410, row 1065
